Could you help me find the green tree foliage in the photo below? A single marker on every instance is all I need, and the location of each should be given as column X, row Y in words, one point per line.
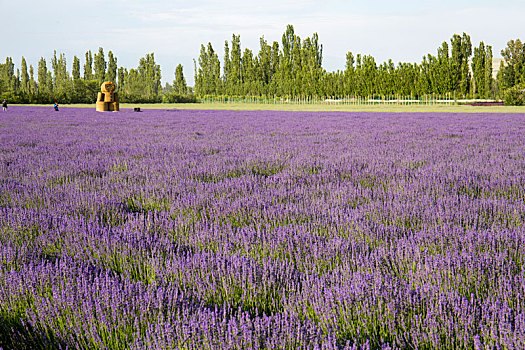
column 179, row 84
column 61, row 79
column 207, row 75
column 24, row 82
column 264, row 59
column 122, row 75
column 100, row 66
column 294, row 69
column 289, row 68
column 178, row 92
column 226, row 67
column 461, row 52
column 75, row 71
column 232, row 77
column 142, row 84
column 235, row 76
column 131, row 87
column 7, row 77
column 514, row 96
column 482, row 71
column 512, row 71
column 111, row 74
column 32, row 83
column 45, row 82
column 150, row 73
column 77, row 83
column 88, row 66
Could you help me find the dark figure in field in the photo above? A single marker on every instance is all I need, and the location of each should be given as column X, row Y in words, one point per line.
column 4, row 105
column 55, row 106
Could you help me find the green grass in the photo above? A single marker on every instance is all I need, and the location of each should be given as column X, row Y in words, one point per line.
column 319, row 107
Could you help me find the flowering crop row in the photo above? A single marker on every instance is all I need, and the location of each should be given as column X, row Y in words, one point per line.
column 222, row 229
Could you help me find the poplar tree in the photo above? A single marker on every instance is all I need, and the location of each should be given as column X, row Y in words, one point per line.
column 489, row 80
column 478, row 70
column 17, row 81
column 122, row 77
column 61, row 77
column 235, row 77
column 88, row 66
column 150, row 74
column 112, row 68
column 249, row 73
column 226, row 75
column 288, row 41
column 99, row 65
column 513, row 69
column 7, row 76
column 32, row 83
column 275, row 68
column 75, row 71
column 265, row 64
column 45, row 84
column 442, row 80
column 198, row 73
column 349, row 74
column 207, row 75
column 134, row 85
column 179, row 84
column 78, row 86
column 461, row 52
column 24, row 82
column 214, row 76
column 369, row 74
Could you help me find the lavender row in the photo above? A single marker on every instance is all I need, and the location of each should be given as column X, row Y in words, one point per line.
column 195, row 229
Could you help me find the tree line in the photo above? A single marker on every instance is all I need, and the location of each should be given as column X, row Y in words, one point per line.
column 293, row 68
column 290, row 68
column 53, row 82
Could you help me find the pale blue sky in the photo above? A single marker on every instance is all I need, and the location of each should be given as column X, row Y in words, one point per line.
column 401, row 30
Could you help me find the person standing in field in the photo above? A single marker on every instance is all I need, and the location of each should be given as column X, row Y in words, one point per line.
column 4, row 105
column 55, row 106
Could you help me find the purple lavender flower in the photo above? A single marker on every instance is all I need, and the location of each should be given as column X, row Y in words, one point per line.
column 223, row 229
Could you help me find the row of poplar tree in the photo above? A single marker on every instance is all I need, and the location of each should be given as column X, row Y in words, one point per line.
column 292, row 68
column 54, row 83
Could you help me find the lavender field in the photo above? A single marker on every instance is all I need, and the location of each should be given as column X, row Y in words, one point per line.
column 235, row 230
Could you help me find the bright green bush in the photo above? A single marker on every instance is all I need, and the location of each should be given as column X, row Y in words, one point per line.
column 515, row 96
column 173, row 97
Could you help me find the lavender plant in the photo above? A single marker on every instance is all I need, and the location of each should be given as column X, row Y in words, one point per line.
column 222, row 229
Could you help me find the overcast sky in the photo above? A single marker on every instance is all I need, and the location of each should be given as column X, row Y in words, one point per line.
column 174, row 30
